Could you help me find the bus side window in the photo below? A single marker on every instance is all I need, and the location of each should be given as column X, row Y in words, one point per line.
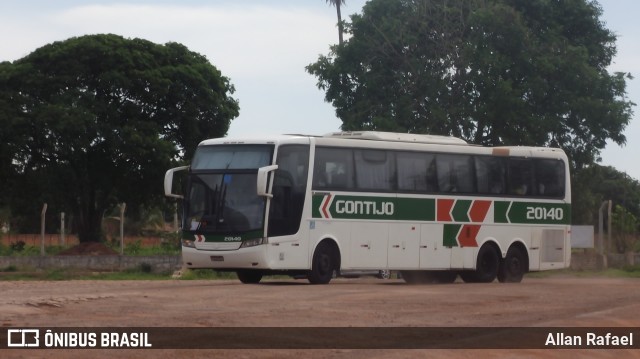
column 520, row 176
column 490, row 175
column 337, row 175
column 374, row 170
column 289, row 185
column 333, row 168
column 319, row 175
column 455, row 173
column 550, row 176
column 446, row 174
column 417, row 172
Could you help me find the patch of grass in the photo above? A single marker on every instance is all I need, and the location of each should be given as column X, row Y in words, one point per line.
column 9, row 268
column 153, row 251
column 58, row 274
column 53, row 250
column 52, row 275
column 20, row 249
column 626, row 272
column 547, row 274
column 133, row 249
column 634, row 268
column 143, row 272
column 137, row 249
column 633, row 271
column 613, row 273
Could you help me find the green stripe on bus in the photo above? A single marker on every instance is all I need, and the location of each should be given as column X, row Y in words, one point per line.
column 366, row 207
column 450, row 235
column 415, row 209
column 539, row 213
column 424, row 209
column 460, row 211
column 500, row 209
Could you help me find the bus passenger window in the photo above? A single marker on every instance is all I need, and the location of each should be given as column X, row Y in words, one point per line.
column 490, row 175
column 374, row 170
column 520, row 176
column 455, row 173
column 521, row 189
column 289, row 186
column 333, row 168
column 336, row 175
column 550, row 177
column 417, row 172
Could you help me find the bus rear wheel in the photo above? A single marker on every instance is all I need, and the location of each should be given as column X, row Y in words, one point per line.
column 248, row 276
column 411, row 277
column 487, row 266
column 447, row 276
column 428, row 277
column 513, row 266
column 324, row 264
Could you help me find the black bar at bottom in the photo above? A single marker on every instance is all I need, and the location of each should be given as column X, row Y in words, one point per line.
column 322, row 338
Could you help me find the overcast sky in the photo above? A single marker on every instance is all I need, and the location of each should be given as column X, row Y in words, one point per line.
column 263, row 47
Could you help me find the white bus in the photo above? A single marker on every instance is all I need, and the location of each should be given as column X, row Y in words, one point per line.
column 431, row 207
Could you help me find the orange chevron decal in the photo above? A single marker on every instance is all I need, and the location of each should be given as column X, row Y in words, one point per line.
column 468, row 234
column 325, row 205
column 479, row 210
column 444, row 209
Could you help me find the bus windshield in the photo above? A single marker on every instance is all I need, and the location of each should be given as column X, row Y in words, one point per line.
column 222, row 157
column 217, row 197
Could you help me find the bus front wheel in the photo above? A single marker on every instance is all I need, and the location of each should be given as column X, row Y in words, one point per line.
column 325, row 262
column 249, row 276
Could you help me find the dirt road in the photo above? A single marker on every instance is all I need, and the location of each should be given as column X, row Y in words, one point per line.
column 364, row 302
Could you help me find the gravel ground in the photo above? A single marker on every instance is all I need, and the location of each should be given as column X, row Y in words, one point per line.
column 364, row 302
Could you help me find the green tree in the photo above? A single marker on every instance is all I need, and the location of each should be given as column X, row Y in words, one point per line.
column 594, row 184
column 625, row 227
column 514, row 72
column 96, row 120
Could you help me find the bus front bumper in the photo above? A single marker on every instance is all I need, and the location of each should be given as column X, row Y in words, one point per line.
column 243, row 258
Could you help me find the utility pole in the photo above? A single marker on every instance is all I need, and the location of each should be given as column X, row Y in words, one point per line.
column 609, row 226
column 601, row 242
column 62, row 239
column 122, row 208
column 175, row 216
column 42, row 223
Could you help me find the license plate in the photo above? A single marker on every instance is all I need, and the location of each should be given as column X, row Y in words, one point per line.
column 217, row 258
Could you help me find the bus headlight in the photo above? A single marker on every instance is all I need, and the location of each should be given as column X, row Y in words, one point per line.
column 253, row 242
column 188, row 243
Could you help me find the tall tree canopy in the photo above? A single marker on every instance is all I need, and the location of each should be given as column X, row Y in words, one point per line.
column 96, row 120
column 594, row 184
column 515, row 72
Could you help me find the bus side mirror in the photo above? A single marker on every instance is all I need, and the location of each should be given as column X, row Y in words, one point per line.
column 168, row 181
column 263, row 180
